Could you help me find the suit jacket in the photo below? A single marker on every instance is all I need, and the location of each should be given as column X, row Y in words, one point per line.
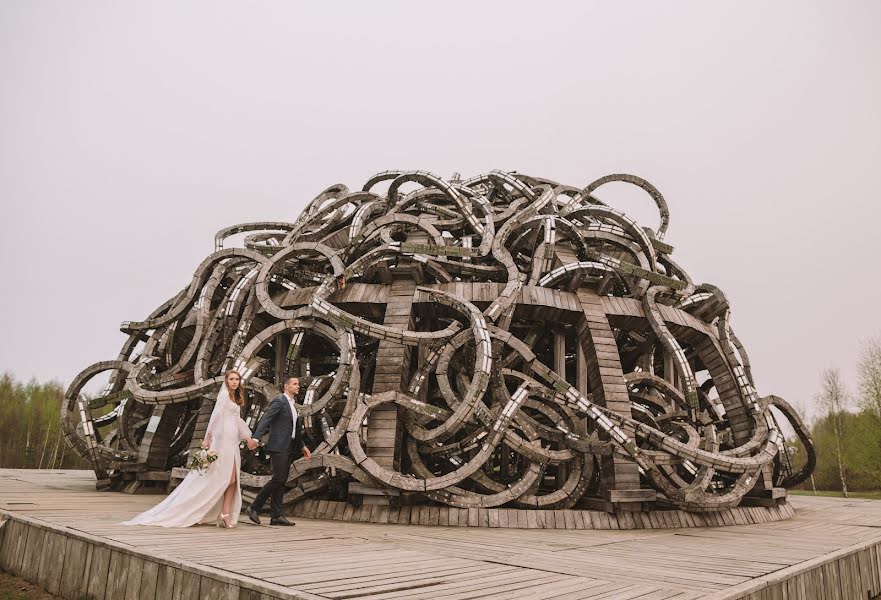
column 279, row 420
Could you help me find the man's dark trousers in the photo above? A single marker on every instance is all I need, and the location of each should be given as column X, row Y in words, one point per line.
column 281, row 465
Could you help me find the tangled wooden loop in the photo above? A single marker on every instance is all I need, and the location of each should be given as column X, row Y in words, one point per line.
column 498, row 341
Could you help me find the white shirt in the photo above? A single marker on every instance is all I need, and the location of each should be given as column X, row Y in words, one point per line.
column 294, row 413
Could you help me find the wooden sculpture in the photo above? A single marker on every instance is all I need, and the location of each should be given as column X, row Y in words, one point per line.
column 498, row 342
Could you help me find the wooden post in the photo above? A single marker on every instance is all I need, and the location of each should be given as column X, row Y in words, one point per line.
column 620, row 477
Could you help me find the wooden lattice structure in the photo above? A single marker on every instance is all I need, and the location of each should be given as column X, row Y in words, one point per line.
column 498, row 342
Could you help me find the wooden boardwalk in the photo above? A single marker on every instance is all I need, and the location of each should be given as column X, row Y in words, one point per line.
column 55, row 518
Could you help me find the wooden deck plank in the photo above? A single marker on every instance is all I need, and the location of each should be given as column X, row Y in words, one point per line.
column 339, row 560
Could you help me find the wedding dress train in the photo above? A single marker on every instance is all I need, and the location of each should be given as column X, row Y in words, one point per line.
column 199, row 497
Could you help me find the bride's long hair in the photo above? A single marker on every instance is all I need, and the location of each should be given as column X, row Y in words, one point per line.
column 237, row 395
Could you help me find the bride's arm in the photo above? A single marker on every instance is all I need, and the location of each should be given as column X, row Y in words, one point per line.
column 244, row 432
column 216, row 416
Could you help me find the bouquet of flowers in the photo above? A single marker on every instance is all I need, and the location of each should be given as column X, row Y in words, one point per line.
column 201, row 459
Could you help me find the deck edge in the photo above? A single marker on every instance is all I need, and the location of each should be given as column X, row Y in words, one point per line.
column 17, row 547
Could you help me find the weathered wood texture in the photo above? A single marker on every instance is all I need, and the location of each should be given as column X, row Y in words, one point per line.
column 830, row 549
column 417, row 306
column 539, row 519
column 392, row 367
column 607, row 384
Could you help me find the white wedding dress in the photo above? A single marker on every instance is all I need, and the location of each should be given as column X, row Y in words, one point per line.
column 199, row 497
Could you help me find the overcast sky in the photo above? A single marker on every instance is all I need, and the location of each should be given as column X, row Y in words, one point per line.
column 131, row 132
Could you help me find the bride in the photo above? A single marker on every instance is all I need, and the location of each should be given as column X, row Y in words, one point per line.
column 214, row 495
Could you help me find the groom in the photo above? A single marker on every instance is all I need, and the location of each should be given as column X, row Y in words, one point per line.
column 285, row 439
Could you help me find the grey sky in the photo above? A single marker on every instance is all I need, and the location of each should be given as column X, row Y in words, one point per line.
column 131, row 132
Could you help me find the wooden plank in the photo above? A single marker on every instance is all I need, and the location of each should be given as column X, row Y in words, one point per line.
column 149, row 580
column 99, row 568
column 9, row 541
column 117, row 575
column 165, row 582
column 133, row 571
column 48, row 575
column 186, row 585
column 381, row 582
column 216, row 589
column 18, row 561
column 391, row 560
column 73, row 572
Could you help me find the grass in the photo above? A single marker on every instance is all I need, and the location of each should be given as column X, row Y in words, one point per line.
column 876, row 495
column 14, row 588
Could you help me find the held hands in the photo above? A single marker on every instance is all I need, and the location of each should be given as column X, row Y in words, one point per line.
column 252, row 444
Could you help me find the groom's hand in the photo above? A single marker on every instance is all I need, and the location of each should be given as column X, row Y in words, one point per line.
column 306, row 452
column 252, row 444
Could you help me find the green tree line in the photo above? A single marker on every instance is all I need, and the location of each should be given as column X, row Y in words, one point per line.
column 846, row 428
column 30, row 427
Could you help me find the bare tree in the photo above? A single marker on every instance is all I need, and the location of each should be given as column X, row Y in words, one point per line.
column 833, row 400
column 869, row 376
column 45, row 446
column 58, row 442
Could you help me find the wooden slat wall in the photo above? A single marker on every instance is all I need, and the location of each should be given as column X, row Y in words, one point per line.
column 513, row 518
column 607, row 385
column 74, row 565
column 392, row 365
